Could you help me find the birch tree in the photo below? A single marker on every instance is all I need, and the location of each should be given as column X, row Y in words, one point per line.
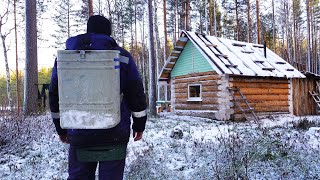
column 4, row 32
column 16, row 48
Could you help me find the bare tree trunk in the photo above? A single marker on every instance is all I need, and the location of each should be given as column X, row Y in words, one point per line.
column 109, row 9
column 287, row 32
column 175, row 22
column 258, row 21
column 215, row 18
column 3, row 35
column 136, row 34
column 210, row 18
column 100, row 10
column 187, row 22
column 283, row 35
column 294, row 49
column 142, row 56
column 131, row 34
column 182, row 20
column 31, row 68
column 152, row 81
column 68, row 18
column 157, row 43
column 313, row 42
column 237, row 19
column 17, row 64
column 90, row 8
column 166, row 50
column 249, row 22
column 308, row 36
column 274, row 29
column 206, row 17
column 5, row 53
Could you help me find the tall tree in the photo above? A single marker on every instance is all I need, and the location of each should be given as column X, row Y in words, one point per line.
column 152, row 81
column 166, row 50
column 187, row 20
column 157, row 45
column 308, row 37
column 31, row 68
column 90, row 8
column 215, row 17
column 249, row 22
column 273, row 28
column 4, row 16
column 258, row 21
column 62, row 18
column 211, row 17
column 16, row 48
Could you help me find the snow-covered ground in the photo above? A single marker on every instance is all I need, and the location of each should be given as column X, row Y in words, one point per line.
column 177, row 147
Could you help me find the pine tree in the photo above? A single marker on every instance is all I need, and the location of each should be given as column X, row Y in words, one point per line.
column 31, row 71
column 152, row 72
column 62, row 18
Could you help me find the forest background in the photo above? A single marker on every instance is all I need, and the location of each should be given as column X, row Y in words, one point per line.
column 291, row 28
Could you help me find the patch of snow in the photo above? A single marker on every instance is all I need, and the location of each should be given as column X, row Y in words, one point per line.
column 74, row 119
column 208, row 149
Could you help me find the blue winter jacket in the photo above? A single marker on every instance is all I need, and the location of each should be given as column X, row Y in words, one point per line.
column 133, row 102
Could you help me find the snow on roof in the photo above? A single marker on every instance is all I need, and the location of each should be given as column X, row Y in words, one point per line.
column 232, row 57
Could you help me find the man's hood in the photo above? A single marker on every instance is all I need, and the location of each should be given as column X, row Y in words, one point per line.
column 90, row 41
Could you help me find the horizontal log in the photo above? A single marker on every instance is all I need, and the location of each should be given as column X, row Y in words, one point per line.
column 267, row 109
column 181, row 95
column 259, row 80
column 203, row 83
column 210, row 89
column 198, row 74
column 259, row 85
column 197, row 79
column 266, row 104
column 270, row 97
column 195, row 107
column 265, row 91
column 209, row 94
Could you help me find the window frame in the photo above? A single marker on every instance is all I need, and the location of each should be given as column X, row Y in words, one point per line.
column 194, row 98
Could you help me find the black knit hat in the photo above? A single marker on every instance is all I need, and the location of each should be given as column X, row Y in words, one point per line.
column 99, row 25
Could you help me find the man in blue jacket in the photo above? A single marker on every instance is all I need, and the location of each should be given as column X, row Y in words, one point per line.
column 100, row 142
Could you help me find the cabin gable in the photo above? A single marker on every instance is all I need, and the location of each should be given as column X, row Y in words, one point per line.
column 190, row 61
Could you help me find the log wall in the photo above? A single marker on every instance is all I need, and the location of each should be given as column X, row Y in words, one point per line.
column 303, row 103
column 265, row 95
column 209, row 82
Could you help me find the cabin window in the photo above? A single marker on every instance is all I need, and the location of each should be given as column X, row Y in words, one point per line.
column 194, row 92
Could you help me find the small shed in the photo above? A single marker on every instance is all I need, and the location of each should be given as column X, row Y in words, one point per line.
column 225, row 79
column 306, row 94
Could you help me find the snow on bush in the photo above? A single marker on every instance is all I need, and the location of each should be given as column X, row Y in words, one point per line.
column 278, row 149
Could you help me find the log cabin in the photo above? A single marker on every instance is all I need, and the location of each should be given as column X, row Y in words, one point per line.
column 224, row 79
